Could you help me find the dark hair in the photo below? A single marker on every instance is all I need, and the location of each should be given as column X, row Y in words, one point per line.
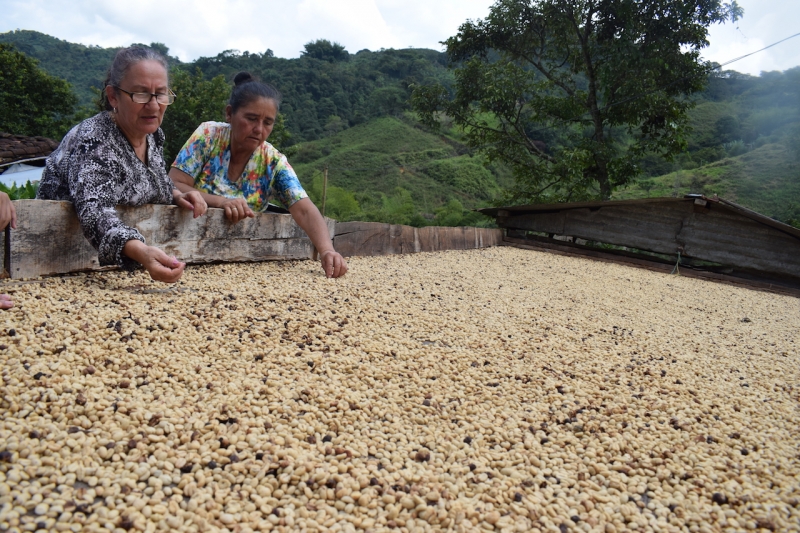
column 124, row 59
column 247, row 88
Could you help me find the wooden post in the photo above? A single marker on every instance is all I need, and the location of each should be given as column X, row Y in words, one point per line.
column 324, row 199
column 324, row 188
column 315, row 255
column 6, row 252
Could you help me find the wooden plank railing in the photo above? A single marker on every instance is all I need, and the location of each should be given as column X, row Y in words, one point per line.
column 48, row 239
column 375, row 238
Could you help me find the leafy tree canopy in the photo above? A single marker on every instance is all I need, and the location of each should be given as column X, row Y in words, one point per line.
column 83, row 66
column 368, row 85
column 31, row 101
column 572, row 93
column 324, row 50
column 314, row 87
column 197, row 100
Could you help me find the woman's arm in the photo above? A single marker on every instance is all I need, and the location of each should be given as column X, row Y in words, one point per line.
column 95, row 183
column 308, row 217
column 236, row 209
column 8, row 215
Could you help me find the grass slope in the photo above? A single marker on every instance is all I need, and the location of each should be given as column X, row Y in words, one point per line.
column 383, row 154
column 766, row 179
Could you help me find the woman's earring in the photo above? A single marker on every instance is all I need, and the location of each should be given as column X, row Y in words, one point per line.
column 115, row 110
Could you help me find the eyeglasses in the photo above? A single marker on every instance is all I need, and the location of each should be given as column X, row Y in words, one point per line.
column 144, row 98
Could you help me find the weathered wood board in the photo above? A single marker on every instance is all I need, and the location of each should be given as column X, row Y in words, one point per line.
column 48, row 239
column 704, row 230
column 791, row 289
column 375, row 238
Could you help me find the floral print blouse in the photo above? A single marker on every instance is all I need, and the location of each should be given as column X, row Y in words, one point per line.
column 96, row 169
column 207, row 155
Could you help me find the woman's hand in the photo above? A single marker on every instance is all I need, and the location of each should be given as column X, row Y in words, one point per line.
column 308, row 217
column 6, row 302
column 159, row 265
column 8, row 215
column 333, row 264
column 191, row 200
column 236, row 209
column 163, row 267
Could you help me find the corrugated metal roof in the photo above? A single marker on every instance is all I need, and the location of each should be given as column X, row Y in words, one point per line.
column 731, row 206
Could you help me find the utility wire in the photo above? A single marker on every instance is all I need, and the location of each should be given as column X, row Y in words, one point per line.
column 757, row 51
column 648, row 93
column 608, row 106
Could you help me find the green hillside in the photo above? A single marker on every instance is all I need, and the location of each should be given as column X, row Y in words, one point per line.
column 351, row 114
column 84, row 67
column 388, row 158
column 744, row 146
column 766, row 180
column 328, row 89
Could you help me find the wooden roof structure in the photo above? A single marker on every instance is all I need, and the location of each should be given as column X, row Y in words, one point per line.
column 695, row 231
column 19, row 148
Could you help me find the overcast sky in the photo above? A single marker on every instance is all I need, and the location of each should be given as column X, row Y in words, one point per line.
column 207, row 27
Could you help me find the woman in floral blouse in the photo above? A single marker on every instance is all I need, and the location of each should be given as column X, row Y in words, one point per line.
column 239, row 171
column 116, row 158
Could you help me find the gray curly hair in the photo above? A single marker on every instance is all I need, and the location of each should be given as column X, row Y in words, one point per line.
column 124, row 59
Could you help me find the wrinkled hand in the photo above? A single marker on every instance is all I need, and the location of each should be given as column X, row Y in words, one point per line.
column 8, row 215
column 161, row 266
column 192, row 200
column 236, row 209
column 333, row 264
column 6, row 302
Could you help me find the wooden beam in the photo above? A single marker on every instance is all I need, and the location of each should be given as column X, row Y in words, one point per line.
column 655, row 266
column 48, row 239
column 375, row 238
column 711, row 232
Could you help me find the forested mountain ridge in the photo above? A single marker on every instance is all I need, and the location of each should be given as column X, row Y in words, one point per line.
column 324, row 91
column 82, row 66
column 350, row 112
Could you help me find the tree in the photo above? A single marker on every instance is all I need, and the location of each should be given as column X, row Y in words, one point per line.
column 334, row 125
column 600, row 82
column 31, row 101
column 324, row 50
column 198, row 100
column 340, row 204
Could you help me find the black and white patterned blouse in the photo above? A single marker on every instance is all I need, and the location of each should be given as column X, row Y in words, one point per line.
column 96, row 169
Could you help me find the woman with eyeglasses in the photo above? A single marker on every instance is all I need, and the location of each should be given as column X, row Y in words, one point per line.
column 116, row 158
column 239, row 171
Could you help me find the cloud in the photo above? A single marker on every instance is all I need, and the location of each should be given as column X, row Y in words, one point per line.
column 206, row 27
column 764, row 22
column 425, row 24
column 360, row 25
